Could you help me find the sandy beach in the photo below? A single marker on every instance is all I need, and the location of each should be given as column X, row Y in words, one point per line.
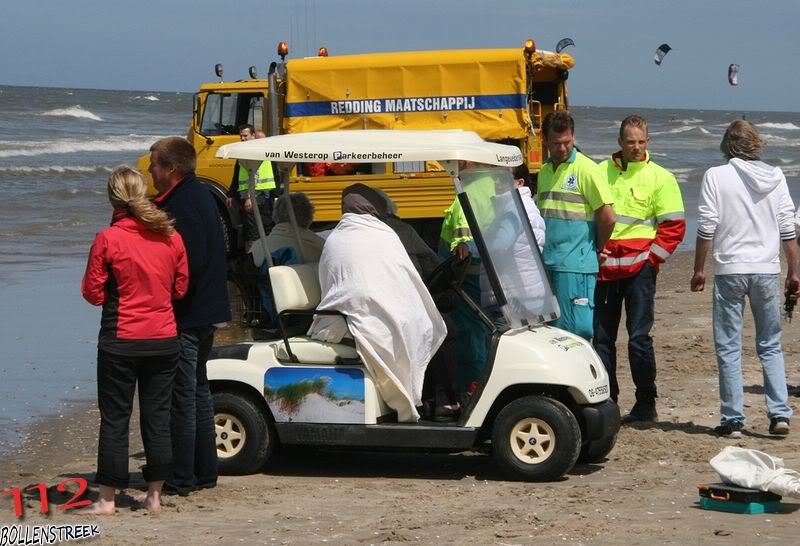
column 646, row 492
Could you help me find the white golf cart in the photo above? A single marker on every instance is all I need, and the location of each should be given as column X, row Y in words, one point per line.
column 542, row 403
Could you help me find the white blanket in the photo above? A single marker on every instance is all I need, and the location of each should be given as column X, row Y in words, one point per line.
column 365, row 274
column 756, row 470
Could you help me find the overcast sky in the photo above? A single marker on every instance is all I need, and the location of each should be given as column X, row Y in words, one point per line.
column 172, row 45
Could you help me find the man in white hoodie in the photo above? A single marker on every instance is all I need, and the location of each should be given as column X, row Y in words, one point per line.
column 745, row 210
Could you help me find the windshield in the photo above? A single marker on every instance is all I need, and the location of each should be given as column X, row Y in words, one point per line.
column 225, row 112
column 511, row 258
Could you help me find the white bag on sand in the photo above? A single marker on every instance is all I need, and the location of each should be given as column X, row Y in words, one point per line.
column 756, row 470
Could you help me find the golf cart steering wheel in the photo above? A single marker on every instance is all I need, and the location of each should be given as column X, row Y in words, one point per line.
column 448, row 275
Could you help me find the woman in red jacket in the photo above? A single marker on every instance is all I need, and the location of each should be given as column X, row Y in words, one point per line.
column 136, row 268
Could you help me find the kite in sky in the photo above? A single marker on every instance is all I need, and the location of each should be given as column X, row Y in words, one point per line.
column 733, row 74
column 563, row 44
column 661, row 52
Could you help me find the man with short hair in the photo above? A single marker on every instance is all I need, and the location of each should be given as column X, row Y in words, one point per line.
column 575, row 203
column 650, row 226
column 745, row 209
column 264, row 179
column 172, row 164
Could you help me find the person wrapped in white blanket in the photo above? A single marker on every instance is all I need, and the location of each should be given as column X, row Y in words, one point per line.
column 366, row 274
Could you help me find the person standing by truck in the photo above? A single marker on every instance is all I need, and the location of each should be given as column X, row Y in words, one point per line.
column 650, row 226
column 264, row 179
column 172, row 164
column 575, row 201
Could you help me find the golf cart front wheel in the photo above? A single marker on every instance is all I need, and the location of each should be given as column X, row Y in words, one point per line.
column 536, row 438
column 245, row 435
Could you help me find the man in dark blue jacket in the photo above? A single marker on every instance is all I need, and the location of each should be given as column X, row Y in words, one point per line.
column 172, row 165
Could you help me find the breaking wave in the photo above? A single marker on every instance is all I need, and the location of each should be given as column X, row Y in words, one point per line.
column 776, row 140
column 73, row 112
column 682, row 174
column 686, row 121
column 55, row 169
column 782, row 126
column 67, row 193
column 683, row 129
column 132, row 143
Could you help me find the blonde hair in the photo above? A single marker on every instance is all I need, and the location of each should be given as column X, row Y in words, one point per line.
column 741, row 140
column 126, row 190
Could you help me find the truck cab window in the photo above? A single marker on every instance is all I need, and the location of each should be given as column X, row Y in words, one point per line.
column 225, row 112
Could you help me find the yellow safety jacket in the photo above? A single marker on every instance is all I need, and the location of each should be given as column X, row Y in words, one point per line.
column 650, row 217
column 265, row 179
column 568, row 198
column 455, row 229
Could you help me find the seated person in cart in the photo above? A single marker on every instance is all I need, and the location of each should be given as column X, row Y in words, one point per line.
column 285, row 235
column 366, row 274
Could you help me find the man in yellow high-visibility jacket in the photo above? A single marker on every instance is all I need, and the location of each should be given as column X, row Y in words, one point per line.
column 456, row 238
column 264, row 184
column 650, row 225
column 575, row 202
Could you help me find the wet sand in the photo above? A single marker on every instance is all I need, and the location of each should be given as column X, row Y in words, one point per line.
column 48, row 335
column 646, row 492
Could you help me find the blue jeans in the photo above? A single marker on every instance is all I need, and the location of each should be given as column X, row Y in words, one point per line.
column 194, row 443
column 765, row 304
column 637, row 293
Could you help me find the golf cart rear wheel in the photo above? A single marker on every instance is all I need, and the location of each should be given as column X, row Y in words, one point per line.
column 245, row 435
column 536, row 438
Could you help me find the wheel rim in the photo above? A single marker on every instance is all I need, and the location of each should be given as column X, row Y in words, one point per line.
column 231, row 435
column 532, row 441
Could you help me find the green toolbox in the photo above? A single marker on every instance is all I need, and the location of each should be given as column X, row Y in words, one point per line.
column 738, row 500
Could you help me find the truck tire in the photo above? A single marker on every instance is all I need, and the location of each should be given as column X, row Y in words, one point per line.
column 245, row 435
column 536, row 438
column 227, row 233
column 596, row 451
column 224, row 215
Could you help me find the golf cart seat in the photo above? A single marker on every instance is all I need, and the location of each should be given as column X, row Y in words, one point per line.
column 297, row 292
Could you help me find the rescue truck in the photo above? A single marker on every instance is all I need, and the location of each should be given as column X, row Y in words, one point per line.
column 501, row 94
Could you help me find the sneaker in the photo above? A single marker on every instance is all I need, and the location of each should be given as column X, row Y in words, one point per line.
column 729, row 430
column 779, row 426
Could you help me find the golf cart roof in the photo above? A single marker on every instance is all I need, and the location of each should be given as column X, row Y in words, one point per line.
column 374, row 146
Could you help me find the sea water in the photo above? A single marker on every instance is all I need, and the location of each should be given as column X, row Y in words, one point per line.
column 57, row 147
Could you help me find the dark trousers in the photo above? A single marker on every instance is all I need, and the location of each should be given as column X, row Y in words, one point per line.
column 265, row 209
column 440, row 375
column 117, row 377
column 638, row 295
column 192, row 421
